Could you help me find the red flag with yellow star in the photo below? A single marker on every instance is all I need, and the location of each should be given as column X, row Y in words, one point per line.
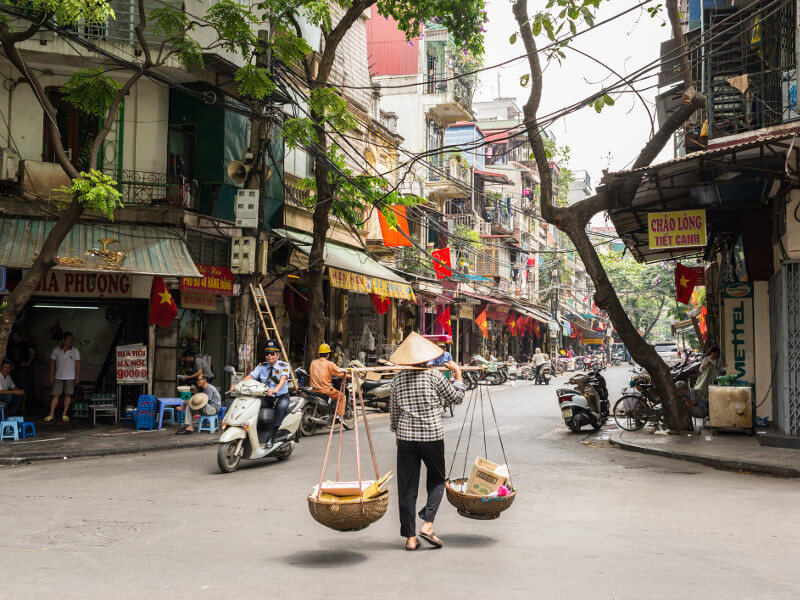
column 382, row 303
column 685, row 280
column 162, row 305
column 480, row 320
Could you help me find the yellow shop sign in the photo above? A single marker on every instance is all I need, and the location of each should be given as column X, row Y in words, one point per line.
column 364, row 284
column 679, row 229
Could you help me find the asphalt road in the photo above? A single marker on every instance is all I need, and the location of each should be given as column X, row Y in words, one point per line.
column 590, row 521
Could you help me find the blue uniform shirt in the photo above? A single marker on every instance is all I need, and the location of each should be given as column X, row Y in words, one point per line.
column 279, row 369
column 444, row 358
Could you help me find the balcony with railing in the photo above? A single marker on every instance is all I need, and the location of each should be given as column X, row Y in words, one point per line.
column 449, row 96
column 449, row 176
column 149, row 188
column 750, row 68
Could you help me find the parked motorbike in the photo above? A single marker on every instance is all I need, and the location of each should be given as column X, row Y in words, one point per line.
column 376, row 392
column 490, row 373
column 587, row 403
column 247, row 427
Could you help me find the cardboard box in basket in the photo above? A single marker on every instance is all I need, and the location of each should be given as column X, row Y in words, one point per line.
column 485, row 477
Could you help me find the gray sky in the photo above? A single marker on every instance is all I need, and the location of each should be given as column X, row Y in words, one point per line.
column 625, row 44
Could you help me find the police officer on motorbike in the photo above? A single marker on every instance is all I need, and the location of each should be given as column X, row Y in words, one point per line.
column 274, row 374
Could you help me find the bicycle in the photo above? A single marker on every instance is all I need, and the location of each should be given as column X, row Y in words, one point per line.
column 632, row 412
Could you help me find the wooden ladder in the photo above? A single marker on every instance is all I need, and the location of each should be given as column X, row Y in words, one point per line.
column 271, row 331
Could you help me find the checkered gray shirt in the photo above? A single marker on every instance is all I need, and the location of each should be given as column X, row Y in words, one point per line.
column 415, row 404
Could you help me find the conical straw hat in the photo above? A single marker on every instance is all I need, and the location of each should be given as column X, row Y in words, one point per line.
column 198, row 401
column 414, row 350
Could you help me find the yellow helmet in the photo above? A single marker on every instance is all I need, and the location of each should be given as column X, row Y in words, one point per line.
column 324, row 349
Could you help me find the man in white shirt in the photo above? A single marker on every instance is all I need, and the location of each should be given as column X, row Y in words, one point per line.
column 539, row 360
column 65, row 371
column 10, row 396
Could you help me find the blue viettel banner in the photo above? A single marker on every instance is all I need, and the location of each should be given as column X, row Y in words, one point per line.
column 737, row 325
column 3, row 274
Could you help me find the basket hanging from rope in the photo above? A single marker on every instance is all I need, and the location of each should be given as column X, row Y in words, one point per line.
column 471, row 505
column 356, row 513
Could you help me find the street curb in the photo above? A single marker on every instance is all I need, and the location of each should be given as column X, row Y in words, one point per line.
column 719, row 463
column 27, row 459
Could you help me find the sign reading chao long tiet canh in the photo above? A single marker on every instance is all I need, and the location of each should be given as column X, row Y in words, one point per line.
column 680, row 229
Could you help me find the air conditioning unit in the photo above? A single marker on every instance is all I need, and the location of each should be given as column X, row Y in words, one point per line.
column 9, row 165
column 243, row 255
column 246, row 208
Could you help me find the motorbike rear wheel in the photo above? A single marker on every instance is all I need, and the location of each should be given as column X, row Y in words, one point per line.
column 574, row 426
column 284, row 454
column 307, row 426
column 229, row 455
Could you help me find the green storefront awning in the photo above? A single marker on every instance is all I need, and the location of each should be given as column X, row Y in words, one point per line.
column 146, row 250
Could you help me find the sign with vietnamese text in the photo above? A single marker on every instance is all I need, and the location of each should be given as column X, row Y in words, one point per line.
column 85, row 285
column 364, row 284
column 680, row 229
column 131, row 364
column 196, row 301
column 214, row 280
column 738, row 336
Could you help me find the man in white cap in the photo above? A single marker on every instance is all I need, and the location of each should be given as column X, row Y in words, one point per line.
column 415, row 412
column 206, row 402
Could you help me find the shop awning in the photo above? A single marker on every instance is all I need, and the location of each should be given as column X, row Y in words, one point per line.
column 532, row 312
column 491, row 177
column 353, row 270
column 146, row 250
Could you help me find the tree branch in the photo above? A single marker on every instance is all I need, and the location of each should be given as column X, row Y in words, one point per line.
column 680, row 41
column 111, row 115
column 299, row 31
column 139, row 29
column 334, row 38
column 33, row 29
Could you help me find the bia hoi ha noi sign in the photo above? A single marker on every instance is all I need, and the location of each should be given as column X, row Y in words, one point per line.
column 131, row 364
column 681, row 229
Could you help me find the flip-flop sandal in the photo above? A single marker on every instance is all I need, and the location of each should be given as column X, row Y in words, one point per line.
column 48, row 418
column 410, row 549
column 431, row 539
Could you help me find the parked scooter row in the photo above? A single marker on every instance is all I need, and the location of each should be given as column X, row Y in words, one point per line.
column 585, row 404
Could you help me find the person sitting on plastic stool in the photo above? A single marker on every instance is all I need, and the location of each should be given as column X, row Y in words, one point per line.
column 206, row 402
column 10, row 395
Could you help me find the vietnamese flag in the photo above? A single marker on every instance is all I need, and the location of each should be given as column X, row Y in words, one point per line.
column 511, row 323
column 443, row 256
column 162, row 305
column 685, row 280
column 393, row 236
column 481, row 321
column 536, row 329
column 382, row 304
column 444, row 320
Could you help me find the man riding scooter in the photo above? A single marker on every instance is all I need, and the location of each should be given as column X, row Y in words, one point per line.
column 274, row 373
column 539, row 360
column 322, row 372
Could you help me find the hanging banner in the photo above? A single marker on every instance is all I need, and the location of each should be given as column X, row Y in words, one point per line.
column 737, row 320
column 497, row 312
column 680, row 229
column 363, row 284
column 195, row 301
column 214, row 280
column 131, row 364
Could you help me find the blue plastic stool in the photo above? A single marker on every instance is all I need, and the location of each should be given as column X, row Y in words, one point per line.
column 17, row 419
column 208, row 423
column 28, row 429
column 169, row 413
column 222, row 412
column 13, row 426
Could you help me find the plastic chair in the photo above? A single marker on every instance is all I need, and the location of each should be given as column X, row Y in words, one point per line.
column 28, row 429
column 146, row 413
column 17, row 419
column 208, row 423
column 169, row 413
column 9, row 425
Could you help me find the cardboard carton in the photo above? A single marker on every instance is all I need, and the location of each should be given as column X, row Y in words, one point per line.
column 486, row 477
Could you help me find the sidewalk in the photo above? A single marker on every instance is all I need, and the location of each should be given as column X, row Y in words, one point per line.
column 735, row 452
column 59, row 441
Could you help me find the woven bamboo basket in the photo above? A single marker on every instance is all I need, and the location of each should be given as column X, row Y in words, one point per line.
column 348, row 516
column 477, row 507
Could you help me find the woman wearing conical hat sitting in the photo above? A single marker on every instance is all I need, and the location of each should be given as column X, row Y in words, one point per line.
column 415, row 411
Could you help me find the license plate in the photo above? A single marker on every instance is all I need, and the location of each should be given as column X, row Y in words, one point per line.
column 566, row 413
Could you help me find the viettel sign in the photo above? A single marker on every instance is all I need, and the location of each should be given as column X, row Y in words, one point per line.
column 680, row 229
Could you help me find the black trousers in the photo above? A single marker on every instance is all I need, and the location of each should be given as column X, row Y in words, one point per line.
column 409, row 456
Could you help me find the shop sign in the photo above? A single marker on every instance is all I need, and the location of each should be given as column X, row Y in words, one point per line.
column 196, row 301
column 82, row 284
column 131, row 364
column 592, row 341
column 363, row 284
column 679, row 229
column 497, row 312
column 214, row 280
column 737, row 300
column 274, row 293
column 465, row 311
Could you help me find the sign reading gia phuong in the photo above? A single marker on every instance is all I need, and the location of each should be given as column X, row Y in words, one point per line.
column 680, row 229
column 214, row 280
column 364, row 284
column 737, row 319
column 131, row 364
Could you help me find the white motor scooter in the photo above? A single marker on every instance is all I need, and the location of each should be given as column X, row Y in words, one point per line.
column 247, row 427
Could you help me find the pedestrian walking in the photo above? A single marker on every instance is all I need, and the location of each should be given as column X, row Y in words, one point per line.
column 65, row 372
column 415, row 416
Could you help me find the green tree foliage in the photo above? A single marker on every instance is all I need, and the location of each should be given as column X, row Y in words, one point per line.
column 647, row 291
